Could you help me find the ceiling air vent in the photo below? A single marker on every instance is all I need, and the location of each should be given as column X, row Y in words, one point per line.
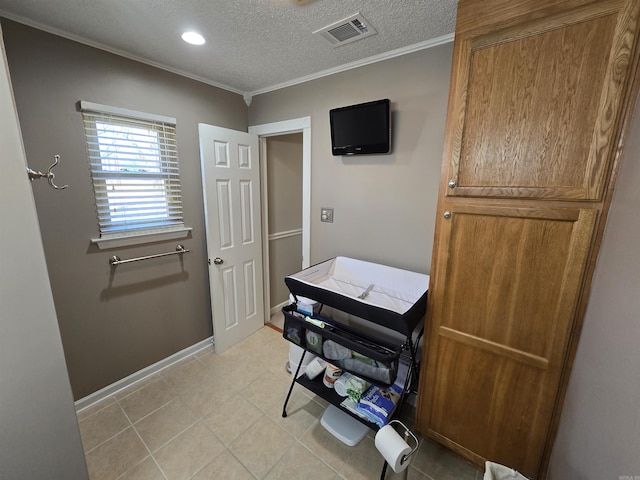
column 346, row 30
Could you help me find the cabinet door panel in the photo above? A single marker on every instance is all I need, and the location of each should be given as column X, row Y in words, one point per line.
column 505, row 274
column 538, row 104
column 508, row 288
column 505, row 426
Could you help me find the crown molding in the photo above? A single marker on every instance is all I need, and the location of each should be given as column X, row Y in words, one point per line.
column 247, row 95
column 115, row 51
column 434, row 42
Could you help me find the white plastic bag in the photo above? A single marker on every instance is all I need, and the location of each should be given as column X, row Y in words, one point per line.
column 495, row 471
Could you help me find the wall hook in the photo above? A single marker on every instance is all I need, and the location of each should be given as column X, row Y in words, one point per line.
column 33, row 174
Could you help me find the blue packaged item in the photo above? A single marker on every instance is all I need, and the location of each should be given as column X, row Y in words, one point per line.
column 378, row 404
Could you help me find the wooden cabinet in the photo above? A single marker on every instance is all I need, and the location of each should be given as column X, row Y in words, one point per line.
column 541, row 92
column 535, row 105
column 508, row 283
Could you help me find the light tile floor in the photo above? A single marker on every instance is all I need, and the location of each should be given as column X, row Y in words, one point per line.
column 220, row 417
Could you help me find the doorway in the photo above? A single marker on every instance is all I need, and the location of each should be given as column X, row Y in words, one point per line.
column 283, row 168
column 286, row 227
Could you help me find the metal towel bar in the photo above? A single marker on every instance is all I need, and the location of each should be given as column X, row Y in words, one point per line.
column 115, row 260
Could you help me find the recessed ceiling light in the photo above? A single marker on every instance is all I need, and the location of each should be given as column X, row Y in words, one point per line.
column 193, row 38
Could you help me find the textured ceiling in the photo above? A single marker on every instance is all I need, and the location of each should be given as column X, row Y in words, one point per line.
column 252, row 46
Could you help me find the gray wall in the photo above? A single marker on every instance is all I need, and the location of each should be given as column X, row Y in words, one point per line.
column 113, row 323
column 39, row 437
column 599, row 433
column 284, row 189
column 384, row 204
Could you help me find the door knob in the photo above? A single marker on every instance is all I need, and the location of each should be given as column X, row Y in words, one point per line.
column 218, row 261
column 447, row 214
column 452, row 184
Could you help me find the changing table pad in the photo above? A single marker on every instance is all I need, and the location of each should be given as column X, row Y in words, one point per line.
column 388, row 296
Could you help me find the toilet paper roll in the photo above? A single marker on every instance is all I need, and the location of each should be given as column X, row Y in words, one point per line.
column 392, row 447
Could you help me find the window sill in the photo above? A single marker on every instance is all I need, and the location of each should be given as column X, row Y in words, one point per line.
column 127, row 240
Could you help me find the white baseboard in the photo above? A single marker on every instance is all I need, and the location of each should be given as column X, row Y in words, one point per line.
column 140, row 375
column 278, row 307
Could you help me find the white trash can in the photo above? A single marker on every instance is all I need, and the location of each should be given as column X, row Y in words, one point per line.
column 495, row 471
column 295, row 356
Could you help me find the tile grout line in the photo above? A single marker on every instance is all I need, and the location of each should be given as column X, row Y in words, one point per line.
column 150, row 455
column 312, row 452
column 214, row 457
column 267, row 411
column 115, row 434
column 151, row 412
column 152, row 452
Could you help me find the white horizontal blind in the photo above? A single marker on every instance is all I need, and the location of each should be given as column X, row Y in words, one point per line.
column 134, row 168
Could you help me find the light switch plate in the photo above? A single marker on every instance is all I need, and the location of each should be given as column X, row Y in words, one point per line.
column 326, row 214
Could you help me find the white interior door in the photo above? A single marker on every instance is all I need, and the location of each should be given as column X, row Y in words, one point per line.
column 231, row 188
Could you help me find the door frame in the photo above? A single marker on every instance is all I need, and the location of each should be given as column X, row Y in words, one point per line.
column 295, row 125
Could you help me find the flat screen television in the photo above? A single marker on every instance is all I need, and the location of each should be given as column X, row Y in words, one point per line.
column 361, row 129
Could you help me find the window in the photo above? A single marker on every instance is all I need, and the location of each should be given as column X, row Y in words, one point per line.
column 134, row 168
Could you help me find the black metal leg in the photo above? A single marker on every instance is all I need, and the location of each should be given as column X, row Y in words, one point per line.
column 384, row 470
column 414, row 355
column 293, row 381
